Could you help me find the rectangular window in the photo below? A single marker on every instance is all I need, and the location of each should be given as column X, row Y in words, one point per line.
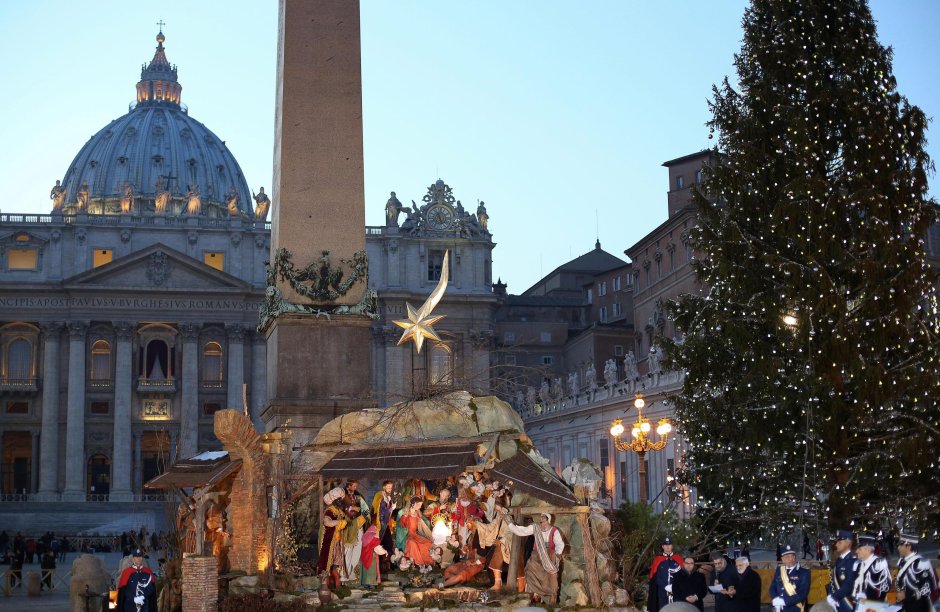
column 659, row 269
column 672, row 261
column 214, row 260
column 101, row 257
column 618, row 350
column 680, row 182
column 698, row 177
column 509, row 337
column 17, row 407
column 436, row 264
column 647, row 277
column 616, row 283
column 623, row 481
column 210, row 408
column 547, row 360
column 603, row 314
column 100, row 408
column 545, row 337
column 590, row 296
column 629, row 281
column 618, row 309
column 22, row 259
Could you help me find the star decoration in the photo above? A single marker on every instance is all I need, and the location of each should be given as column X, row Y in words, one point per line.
column 420, row 323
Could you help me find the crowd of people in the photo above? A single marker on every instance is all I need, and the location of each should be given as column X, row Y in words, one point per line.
column 858, row 574
column 461, row 526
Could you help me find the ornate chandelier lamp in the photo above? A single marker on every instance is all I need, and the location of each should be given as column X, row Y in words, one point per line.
column 641, row 442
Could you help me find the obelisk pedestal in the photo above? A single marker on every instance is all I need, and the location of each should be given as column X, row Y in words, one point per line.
column 317, row 366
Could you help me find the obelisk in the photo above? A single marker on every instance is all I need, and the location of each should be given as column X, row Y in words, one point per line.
column 318, row 364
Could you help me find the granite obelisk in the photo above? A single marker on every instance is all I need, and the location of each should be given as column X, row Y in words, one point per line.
column 315, row 318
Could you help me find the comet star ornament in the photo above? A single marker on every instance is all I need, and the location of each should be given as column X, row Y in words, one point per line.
column 420, row 322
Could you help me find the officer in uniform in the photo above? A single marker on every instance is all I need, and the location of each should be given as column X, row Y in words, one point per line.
column 664, row 569
column 790, row 586
column 137, row 589
column 916, row 581
column 842, row 576
column 873, row 580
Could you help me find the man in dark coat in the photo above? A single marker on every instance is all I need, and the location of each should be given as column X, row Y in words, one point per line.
column 727, row 576
column 137, row 589
column 747, row 593
column 689, row 585
column 916, row 580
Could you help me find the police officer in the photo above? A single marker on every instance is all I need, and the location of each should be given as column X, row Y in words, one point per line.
column 664, row 569
column 916, row 581
column 790, row 586
column 137, row 590
column 873, row 580
column 842, row 576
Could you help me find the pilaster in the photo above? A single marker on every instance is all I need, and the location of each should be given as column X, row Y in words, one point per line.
column 189, row 410
column 49, row 437
column 123, row 384
column 75, row 420
column 236, row 365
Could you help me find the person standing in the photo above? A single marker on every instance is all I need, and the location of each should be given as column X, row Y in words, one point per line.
column 790, row 586
column 542, row 569
column 664, row 568
column 725, row 576
column 384, row 504
column 689, row 585
column 747, row 593
column 16, row 567
column 873, row 579
column 47, row 564
column 916, row 581
column 842, row 576
column 137, row 590
column 806, row 550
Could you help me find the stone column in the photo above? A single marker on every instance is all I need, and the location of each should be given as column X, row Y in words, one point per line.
column 75, row 418
column 123, row 385
column 236, row 366
column 173, row 455
column 49, row 438
column 259, row 379
column 138, row 467
column 34, row 465
column 189, row 412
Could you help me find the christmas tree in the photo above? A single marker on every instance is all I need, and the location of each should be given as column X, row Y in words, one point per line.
column 811, row 357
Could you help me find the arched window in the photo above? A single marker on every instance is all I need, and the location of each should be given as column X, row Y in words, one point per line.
column 19, row 359
column 440, row 366
column 101, row 360
column 157, row 360
column 212, row 364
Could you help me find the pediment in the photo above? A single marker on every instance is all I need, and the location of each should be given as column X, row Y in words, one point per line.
column 158, row 267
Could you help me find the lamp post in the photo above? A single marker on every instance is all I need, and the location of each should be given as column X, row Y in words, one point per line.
column 641, row 442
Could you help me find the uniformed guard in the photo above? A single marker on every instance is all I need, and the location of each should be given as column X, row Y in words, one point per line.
column 873, row 580
column 665, row 567
column 916, row 581
column 137, row 590
column 790, row 586
column 842, row 576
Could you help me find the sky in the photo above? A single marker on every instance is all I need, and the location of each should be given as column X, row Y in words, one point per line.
column 557, row 114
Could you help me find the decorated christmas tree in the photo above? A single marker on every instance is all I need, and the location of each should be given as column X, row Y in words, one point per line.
column 812, row 389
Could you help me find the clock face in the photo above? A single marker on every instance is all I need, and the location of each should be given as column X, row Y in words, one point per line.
column 440, row 217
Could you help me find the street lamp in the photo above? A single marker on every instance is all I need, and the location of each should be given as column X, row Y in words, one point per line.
column 641, row 442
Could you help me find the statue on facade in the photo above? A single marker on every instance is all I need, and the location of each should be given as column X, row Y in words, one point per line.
column 162, row 197
column 231, row 201
column 590, row 377
column 573, row 384
column 57, row 195
column 610, row 372
column 519, row 399
column 193, row 200
column 653, row 361
column 544, row 393
column 482, row 218
column 629, row 366
column 530, row 397
column 262, row 204
column 81, row 202
column 412, row 218
column 392, row 210
column 127, row 198
column 558, row 389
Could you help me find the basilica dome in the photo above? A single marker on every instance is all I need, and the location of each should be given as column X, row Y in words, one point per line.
column 156, row 148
